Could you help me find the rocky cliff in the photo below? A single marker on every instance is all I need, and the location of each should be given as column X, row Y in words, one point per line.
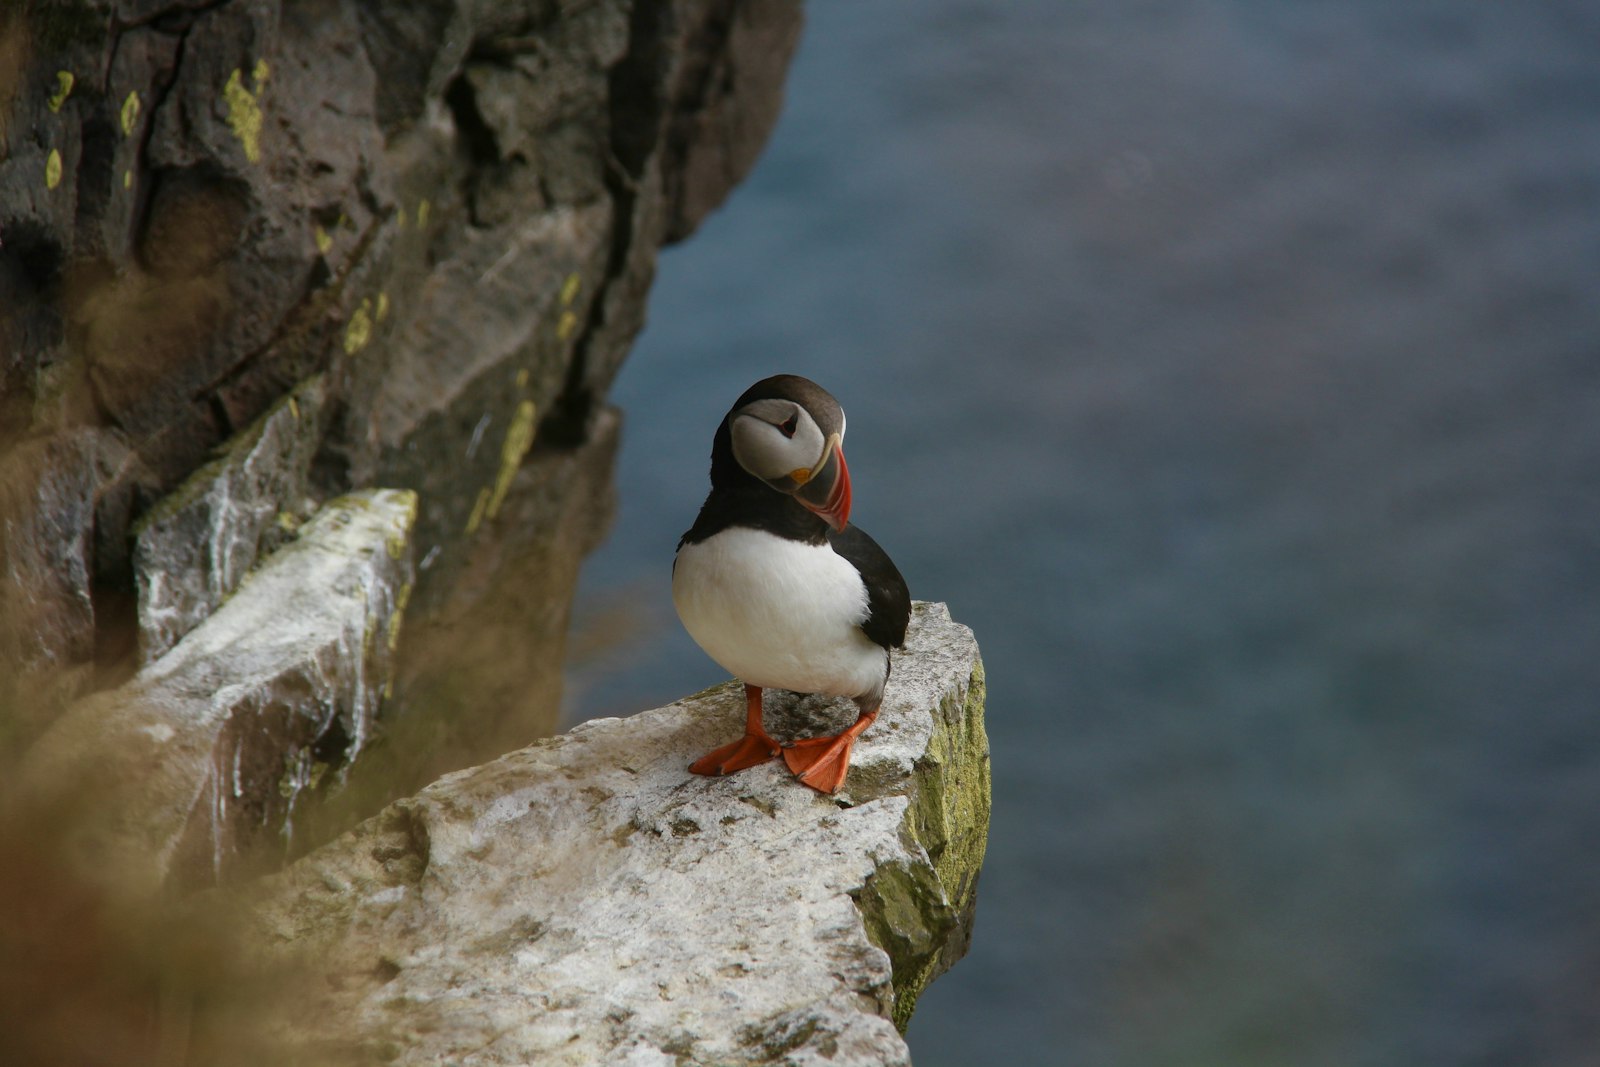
column 259, row 254
column 307, row 315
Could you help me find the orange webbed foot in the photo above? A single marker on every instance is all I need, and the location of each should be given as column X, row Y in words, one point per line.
column 820, row 762
column 751, row 750
column 823, row 762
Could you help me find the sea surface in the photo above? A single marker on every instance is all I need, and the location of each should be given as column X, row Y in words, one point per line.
column 1232, row 368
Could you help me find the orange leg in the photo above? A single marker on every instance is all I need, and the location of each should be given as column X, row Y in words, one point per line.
column 822, row 762
column 753, row 749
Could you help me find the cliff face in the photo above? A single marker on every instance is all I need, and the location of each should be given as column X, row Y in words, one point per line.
column 256, row 254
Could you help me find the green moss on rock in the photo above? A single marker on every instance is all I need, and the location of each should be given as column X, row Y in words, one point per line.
column 922, row 917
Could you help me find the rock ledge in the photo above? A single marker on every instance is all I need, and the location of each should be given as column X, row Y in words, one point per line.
column 586, row 900
column 189, row 772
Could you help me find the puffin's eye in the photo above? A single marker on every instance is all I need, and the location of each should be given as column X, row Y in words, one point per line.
column 787, row 427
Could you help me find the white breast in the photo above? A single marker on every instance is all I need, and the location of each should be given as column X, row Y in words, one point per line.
column 778, row 613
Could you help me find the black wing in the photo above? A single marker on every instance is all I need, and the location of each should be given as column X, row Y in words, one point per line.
column 888, row 599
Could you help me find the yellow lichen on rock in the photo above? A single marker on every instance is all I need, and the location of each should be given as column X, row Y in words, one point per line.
column 519, row 438
column 64, row 80
column 130, row 113
column 397, row 616
column 478, row 508
column 244, row 109
column 359, row 331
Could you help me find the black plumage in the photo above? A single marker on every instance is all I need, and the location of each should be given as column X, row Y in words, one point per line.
column 888, row 598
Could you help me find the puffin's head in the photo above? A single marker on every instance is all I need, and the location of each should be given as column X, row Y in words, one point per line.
column 788, row 432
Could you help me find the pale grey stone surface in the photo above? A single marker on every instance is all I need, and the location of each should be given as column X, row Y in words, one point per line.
column 586, row 900
column 194, row 548
column 168, row 778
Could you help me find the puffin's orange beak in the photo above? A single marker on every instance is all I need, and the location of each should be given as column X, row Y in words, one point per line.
column 826, row 491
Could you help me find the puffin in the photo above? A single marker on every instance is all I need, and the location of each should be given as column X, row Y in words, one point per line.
column 774, row 583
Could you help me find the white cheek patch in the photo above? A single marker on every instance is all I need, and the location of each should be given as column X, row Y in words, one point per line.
column 763, row 449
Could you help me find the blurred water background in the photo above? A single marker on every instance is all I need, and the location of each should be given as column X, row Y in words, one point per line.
column 1232, row 367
